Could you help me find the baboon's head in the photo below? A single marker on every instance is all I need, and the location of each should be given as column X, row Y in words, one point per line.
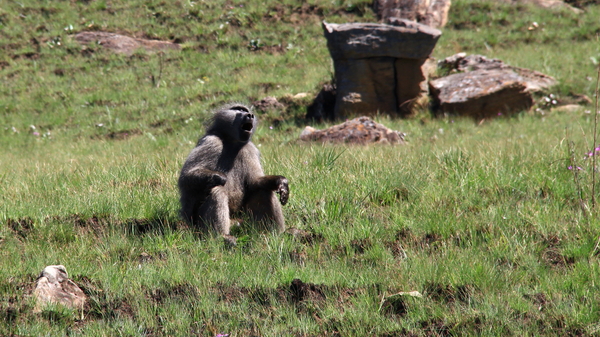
column 233, row 122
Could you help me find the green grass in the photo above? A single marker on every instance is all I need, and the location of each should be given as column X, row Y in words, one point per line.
column 484, row 220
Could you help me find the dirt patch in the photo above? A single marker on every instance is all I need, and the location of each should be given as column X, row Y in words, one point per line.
column 300, row 291
column 22, row 227
column 183, row 291
column 124, row 44
column 123, row 134
column 259, row 295
column 404, row 237
column 430, row 240
column 98, row 306
column 435, row 327
column 396, row 249
column 394, row 306
column 446, row 293
column 94, row 224
column 305, row 237
column 147, row 258
column 539, row 300
column 14, row 297
column 553, row 257
column 361, row 245
column 298, row 256
column 306, row 297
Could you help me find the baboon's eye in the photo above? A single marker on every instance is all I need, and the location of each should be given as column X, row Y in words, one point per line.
column 239, row 108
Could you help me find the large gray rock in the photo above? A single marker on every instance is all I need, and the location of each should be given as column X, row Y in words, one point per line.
column 433, row 13
column 400, row 39
column 53, row 286
column 378, row 68
column 361, row 130
column 534, row 80
column 124, row 44
column 481, row 93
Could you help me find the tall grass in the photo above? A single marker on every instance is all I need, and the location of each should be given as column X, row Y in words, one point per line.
column 483, row 219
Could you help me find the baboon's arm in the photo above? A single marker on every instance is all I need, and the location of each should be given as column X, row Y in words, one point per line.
column 203, row 178
column 277, row 184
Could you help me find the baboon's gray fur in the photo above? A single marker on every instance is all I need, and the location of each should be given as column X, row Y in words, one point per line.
column 223, row 175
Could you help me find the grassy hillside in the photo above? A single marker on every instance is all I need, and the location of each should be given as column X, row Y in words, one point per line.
column 486, row 220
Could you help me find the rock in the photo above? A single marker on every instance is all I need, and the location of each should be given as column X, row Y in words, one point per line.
column 124, row 44
column 433, row 13
column 400, row 39
column 300, row 95
column 535, row 81
column 569, row 108
column 481, row 93
column 550, row 4
column 378, row 68
column 360, row 130
column 54, row 287
column 268, row 103
column 396, row 304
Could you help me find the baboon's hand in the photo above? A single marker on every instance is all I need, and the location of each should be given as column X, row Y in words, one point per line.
column 283, row 190
column 217, row 179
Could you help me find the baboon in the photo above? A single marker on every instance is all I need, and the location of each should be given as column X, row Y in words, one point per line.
column 223, row 176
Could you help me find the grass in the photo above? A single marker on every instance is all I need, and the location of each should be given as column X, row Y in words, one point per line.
column 484, row 220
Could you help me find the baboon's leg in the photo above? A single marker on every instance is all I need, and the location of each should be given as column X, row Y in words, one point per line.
column 214, row 212
column 189, row 208
column 264, row 207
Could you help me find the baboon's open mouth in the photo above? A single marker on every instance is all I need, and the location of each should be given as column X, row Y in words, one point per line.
column 247, row 126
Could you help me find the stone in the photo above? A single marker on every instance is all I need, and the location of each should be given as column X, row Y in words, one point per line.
column 534, row 80
column 549, row 4
column 379, row 67
column 268, row 103
column 53, row 286
column 400, row 39
column 361, row 130
column 124, row 44
column 568, row 108
column 480, row 93
column 433, row 13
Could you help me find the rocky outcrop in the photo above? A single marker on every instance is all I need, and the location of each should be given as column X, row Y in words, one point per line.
column 433, row 13
column 124, row 44
column 534, row 80
column 480, row 93
column 361, row 130
column 378, row 67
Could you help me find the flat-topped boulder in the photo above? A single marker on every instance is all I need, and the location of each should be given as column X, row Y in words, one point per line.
column 400, row 39
column 534, row 80
column 481, row 93
column 433, row 13
column 379, row 67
